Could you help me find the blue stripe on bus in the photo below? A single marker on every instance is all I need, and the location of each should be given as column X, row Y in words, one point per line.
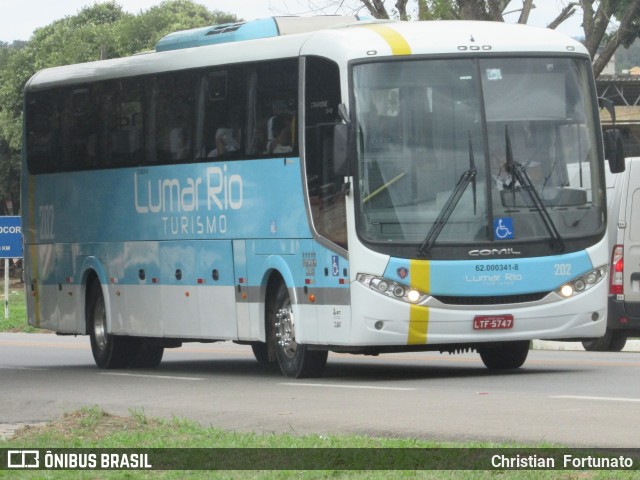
column 221, row 200
column 494, row 277
column 187, row 220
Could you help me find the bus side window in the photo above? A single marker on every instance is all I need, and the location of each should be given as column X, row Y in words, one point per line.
column 322, row 98
column 123, row 106
column 223, row 119
column 83, row 134
column 173, row 118
column 275, row 108
column 79, row 130
column 42, row 136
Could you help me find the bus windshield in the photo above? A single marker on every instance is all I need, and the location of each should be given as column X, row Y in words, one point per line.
column 488, row 152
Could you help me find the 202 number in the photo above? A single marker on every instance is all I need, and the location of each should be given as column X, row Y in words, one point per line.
column 46, row 222
column 562, row 269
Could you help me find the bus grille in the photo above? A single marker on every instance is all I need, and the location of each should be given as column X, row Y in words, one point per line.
column 495, row 300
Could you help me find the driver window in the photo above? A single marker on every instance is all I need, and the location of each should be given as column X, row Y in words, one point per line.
column 322, row 97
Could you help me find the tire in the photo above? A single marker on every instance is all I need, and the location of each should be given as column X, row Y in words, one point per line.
column 295, row 360
column 612, row 341
column 618, row 341
column 109, row 351
column 505, row 356
column 144, row 355
column 261, row 352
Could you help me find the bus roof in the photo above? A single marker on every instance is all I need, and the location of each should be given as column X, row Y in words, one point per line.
column 452, row 37
column 240, row 31
column 357, row 40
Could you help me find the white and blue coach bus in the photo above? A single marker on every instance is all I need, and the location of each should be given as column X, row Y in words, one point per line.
column 305, row 185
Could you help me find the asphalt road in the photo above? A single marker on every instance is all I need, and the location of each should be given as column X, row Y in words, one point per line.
column 573, row 398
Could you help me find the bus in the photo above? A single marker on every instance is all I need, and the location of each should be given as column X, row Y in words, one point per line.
column 306, row 185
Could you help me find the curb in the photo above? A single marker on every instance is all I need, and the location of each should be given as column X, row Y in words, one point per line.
column 631, row 345
column 7, row 430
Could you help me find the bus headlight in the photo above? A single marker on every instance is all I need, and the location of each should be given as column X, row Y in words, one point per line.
column 392, row 289
column 582, row 283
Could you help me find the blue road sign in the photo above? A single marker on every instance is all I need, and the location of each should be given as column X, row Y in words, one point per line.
column 10, row 237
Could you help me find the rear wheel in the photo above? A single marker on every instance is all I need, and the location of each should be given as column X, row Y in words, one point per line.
column 612, row 341
column 144, row 355
column 261, row 352
column 109, row 351
column 505, row 356
column 295, row 360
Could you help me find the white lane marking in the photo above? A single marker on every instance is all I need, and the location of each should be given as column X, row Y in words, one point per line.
column 6, row 367
column 161, row 377
column 598, row 399
column 362, row 387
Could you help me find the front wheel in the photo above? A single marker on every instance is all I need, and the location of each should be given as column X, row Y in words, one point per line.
column 295, row 360
column 505, row 356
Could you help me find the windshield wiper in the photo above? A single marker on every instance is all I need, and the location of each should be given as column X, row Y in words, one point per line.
column 467, row 177
column 519, row 173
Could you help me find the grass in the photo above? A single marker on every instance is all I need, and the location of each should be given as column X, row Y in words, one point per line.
column 17, row 321
column 94, row 428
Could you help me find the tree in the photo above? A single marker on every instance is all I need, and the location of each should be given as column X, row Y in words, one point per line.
column 602, row 35
column 103, row 30
column 142, row 32
column 596, row 22
column 9, row 161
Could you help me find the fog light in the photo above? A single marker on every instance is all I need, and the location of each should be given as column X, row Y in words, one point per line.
column 566, row 291
column 379, row 324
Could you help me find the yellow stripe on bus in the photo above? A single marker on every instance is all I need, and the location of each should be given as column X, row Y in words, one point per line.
column 418, row 315
column 398, row 44
column 33, row 250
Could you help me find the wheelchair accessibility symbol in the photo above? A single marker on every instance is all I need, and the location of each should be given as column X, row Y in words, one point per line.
column 335, row 265
column 503, row 228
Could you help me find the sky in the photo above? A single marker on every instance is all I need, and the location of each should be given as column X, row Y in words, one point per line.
column 19, row 18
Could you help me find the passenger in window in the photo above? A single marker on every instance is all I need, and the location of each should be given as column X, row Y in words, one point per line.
column 226, row 143
column 282, row 141
column 178, row 144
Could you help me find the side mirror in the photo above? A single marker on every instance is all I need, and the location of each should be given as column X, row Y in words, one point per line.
column 614, row 150
column 608, row 105
column 341, row 139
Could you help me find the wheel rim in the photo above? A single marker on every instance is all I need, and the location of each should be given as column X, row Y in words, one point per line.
column 99, row 324
column 285, row 330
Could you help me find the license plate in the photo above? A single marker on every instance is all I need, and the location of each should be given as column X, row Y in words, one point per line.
column 492, row 322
